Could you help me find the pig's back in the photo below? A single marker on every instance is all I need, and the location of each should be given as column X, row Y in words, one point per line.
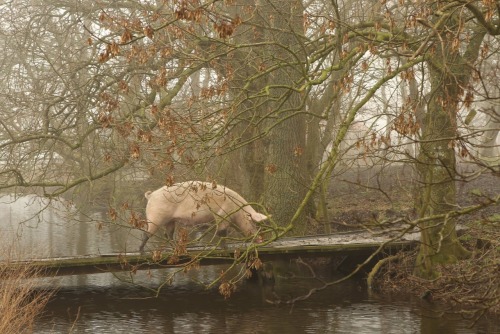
column 196, row 194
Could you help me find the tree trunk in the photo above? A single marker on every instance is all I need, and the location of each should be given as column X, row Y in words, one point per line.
column 449, row 72
column 286, row 178
column 437, row 194
column 243, row 167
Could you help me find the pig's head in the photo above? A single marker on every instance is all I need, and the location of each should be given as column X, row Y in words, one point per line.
column 257, row 217
column 252, row 218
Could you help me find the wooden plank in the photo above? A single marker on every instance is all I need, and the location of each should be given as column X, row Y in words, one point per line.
column 290, row 248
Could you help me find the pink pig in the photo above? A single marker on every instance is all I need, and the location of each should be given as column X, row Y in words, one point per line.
column 194, row 203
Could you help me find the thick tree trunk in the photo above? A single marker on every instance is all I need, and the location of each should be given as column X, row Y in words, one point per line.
column 286, row 179
column 243, row 167
column 449, row 73
column 437, row 170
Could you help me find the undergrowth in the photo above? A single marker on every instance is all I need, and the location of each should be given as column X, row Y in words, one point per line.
column 470, row 287
column 21, row 303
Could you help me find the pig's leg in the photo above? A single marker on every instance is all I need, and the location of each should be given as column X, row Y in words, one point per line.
column 145, row 238
column 152, row 227
column 169, row 233
column 221, row 232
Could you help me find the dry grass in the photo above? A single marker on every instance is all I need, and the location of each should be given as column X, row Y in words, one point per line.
column 20, row 300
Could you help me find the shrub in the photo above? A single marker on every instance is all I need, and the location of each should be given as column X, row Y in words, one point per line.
column 21, row 302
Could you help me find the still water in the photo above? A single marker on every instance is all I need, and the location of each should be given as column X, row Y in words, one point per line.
column 124, row 303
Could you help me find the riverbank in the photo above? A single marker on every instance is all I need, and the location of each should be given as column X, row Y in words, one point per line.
column 377, row 198
column 468, row 287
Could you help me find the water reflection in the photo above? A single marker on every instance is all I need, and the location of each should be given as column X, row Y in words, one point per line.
column 186, row 308
column 107, row 303
column 37, row 227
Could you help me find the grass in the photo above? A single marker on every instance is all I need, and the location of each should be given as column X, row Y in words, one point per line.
column 21, row 303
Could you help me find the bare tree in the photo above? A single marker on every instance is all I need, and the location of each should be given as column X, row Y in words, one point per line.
column 277, row 98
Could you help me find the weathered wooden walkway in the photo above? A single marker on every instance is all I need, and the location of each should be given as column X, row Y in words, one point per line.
column 350, row 246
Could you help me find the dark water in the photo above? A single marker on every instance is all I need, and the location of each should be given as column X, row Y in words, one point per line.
column 124, row 303
column 186, row 308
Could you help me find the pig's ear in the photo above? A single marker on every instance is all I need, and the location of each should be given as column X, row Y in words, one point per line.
column 147, row 194
column 257, row 217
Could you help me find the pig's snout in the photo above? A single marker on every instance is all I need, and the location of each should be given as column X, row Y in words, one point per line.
column 258, row 239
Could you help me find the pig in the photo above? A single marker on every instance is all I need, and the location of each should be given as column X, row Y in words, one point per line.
column 196, row 203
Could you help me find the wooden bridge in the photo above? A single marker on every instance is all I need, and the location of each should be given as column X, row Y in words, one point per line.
column 353, row 248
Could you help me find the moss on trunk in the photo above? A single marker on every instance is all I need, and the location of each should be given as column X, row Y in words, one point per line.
column 437, row 172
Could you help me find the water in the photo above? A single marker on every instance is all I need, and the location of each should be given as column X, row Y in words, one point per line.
column 124, row 303
column 37, row 227
column 185, row 308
